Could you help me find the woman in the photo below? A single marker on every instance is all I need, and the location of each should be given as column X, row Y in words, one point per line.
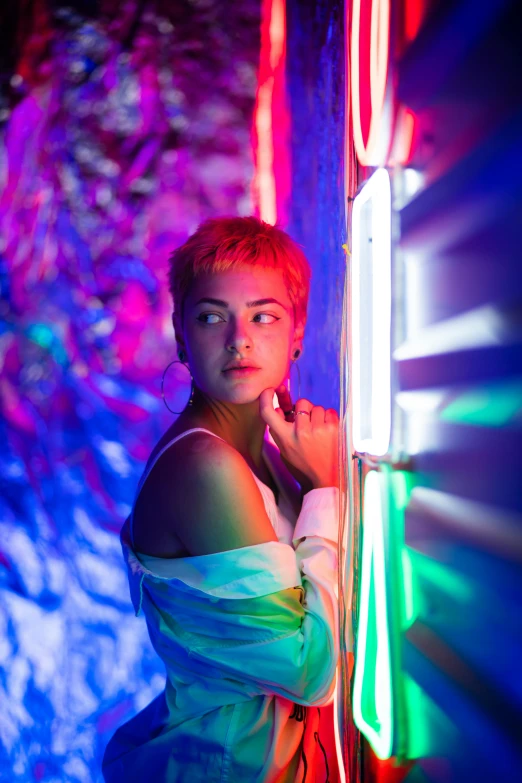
column 232, row 543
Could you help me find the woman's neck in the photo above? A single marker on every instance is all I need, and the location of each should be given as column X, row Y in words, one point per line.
column 239, row 425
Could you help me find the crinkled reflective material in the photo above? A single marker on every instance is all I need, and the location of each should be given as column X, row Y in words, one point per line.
column 122, row 127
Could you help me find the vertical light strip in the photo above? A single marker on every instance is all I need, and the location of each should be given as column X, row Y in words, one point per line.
column 375, row 252
column 337, row 736
column 381, row 347
column 373, row 707
column 271, row 68
column 265, row 178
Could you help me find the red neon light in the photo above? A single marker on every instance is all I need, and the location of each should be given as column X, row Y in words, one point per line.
column 404, row 133
column 407, row 138
column 414, row 13
column 272, row 177
column 370, row 34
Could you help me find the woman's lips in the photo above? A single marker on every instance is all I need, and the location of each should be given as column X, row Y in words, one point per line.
column 240, row 372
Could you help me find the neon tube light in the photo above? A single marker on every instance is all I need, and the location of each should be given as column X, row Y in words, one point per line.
column 371, row 315
column 268, row 104
column 372, row 689
column 371, row 152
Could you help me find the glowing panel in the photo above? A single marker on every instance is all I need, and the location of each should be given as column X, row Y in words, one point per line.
column 388, row 606
column 372, row 690
column 371, row 315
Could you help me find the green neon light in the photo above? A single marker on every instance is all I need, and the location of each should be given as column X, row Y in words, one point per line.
column 410, row 610
column 447, row 580
column 372, row 690
column 388, row 604
column 489, row 405
column 423, row 742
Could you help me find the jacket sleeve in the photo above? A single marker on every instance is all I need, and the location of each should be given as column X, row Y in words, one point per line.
column 284, row 641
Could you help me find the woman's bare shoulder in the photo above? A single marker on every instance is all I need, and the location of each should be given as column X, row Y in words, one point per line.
column 206, row 497
column 198, row 454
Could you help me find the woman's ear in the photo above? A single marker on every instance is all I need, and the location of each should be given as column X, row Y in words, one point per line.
column 297, row 343
column 178, row 334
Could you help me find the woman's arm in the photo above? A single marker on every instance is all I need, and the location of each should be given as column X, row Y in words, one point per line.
column 287, row 641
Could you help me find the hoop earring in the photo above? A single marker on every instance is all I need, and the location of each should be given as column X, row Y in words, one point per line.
column 191, row 399
column 293, row 363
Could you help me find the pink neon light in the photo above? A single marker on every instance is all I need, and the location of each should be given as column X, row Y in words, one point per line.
column 372, row 149
column 271, row 180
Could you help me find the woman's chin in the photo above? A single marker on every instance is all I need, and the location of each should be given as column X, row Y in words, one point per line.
column 245, row 398
column 241, row 395
column 244, row 392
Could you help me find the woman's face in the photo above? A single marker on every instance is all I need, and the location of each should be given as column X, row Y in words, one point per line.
column 240, row 316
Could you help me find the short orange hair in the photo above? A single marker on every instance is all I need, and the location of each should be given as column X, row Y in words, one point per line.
column 224, row 243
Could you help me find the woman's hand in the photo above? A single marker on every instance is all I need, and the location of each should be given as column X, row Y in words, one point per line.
column 309, row 443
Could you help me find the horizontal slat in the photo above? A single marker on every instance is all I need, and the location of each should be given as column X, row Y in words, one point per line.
column 439, row 516
column 481, row 464
column 469, row 198
column 443, row 650
column 493, row 404
column 456, row 594
column 486, row 749
column 464, row 278
column 460, row 367
column 485, row 326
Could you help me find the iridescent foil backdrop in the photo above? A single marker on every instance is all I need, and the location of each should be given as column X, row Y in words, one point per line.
column 124, row 125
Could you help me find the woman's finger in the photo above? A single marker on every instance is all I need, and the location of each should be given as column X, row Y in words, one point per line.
column 302, row 414
column 270, row 416
column 303, row 404
column 331, row 416
column 285, row 401
column 317, row 416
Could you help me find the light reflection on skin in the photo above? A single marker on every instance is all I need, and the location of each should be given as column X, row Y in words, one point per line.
column 214, row 335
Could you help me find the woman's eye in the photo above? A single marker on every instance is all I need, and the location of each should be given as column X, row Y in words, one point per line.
column 210, row 318
column 265, row 318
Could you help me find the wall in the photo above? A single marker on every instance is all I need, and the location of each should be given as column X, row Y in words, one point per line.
column 122, row 129
column 316, row 90
column 459, row 376
column 453, row 534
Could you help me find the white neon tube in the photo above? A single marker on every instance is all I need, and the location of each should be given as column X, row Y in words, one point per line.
column 371, row 364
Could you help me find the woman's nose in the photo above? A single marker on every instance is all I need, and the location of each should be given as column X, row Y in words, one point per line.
column 239, row 339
